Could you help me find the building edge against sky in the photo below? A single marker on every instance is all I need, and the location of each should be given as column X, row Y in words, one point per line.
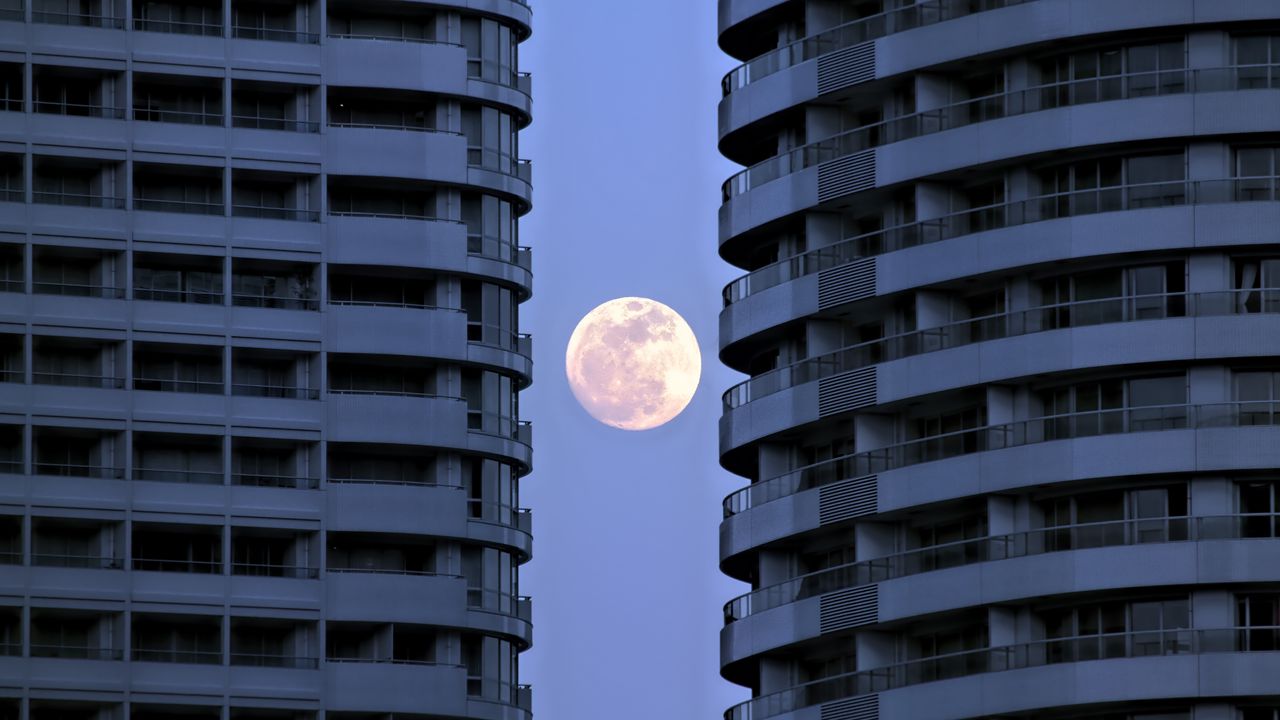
column 1011, row 314
column 260, row 275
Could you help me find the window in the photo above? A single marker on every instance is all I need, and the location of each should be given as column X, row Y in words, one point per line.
column 1259, row 616
column 1256, row 392
column 1115, row 73
column 1118, row 629
column 491, row 50
column 1110, row 184
column 1112, row 406
column 946, row 434
column 1257, row 284
column 491, row 313
column 1257, row 57
column 1257, row 500
column 1115, row 517
column 1114, row 295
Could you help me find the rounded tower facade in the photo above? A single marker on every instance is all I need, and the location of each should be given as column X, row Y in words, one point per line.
column 1011, row 315
column 260, row 278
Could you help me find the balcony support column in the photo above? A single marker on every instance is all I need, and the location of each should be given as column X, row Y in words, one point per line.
column 1208, row 48
column 1213, row 608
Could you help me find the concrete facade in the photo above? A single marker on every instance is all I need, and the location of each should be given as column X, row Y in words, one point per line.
column 260, row 278
column 1009, row 306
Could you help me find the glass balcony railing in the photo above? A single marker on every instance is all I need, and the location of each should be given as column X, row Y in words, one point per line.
column 273, row 123
column 1084, row 313
column 270, row 570
column 183, row 117
column 186, row 207
column 924, row 12
column 105, row 472
column 997, row 437
column 993, row 107
column 79, row 19
column 177, row 475
column 247, row 32
column 76, row 652
column 178, row 27
column 201, row 387
column 67, row 289
column 1134, row 644
column 87, row 562
column 290, row 392
column 200, row 567
column 1004, row 215
column 77, row 200
column 71, row 109
column 73, row 380
column 274, row 661
column 1003, row 547
column 167, row 655
column 275, row 481
column 275, row 213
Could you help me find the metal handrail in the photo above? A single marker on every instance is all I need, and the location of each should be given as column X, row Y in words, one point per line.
column 275, row 213
column 46, row 107
column 193, row 657
column 924, row 12
column 383, row 126
column 188, row 207
column 391, row 216
column 275, row 570
column 202, row 387
column 1039, row 541
column 1014, row 213
column 203, row 477
column 1038, row 653
column 78, row 652
column 391, row 571
column 1012, row 103
column 203, row 567
column 275, row 302
column 279, row 661
column 389, row 393
column 78, row 290
column 109, row 382
column 256, row 122
column 292, row 392
column 390, row 38
column 178, row 27
column 1014, row 323
column 998, row 437
column 392, row 661
column 198, row 297
column 76, row 561
column 107, row 472
column 383, row 481
column 77, row 200
column 244, row 32
column 275, row 481
column 184, row 117
column 388, row 304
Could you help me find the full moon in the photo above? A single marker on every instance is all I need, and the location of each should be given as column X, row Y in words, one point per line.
column 633, row 363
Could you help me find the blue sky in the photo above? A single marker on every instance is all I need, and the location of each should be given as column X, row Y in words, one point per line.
column 626, row 591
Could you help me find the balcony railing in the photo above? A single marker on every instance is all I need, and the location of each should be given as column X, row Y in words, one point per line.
column 201, row 387
column 274, row 661
column 924, row 12
column 424, row 481
column 73, row 380
column 77, row 290
column 12, row 375
column 11, row 194
column 391, row 38
column 1084, row 313
column 275, row 213
column 194, row 477
column 14, row 286
column 80, row 19
column 275, row 301
column 11, row 557
column 993, row 107
column 996, row 437
column 10, row 466
column 269, row 123
column 76, row 652
column 1133, row 644
column 198, row 297
column 186, row 207
column 89, row 562
column 1003, row 215
column 178, row 27
column 200, row 567
column 389, row 570
column 275, row 391
column 182, row 117
column 1040, row 541
column 165, row 655
column 275, row 481
column 72, row 109
column 105, row 472
column 405, row 215
column 278, row 571
column 243, row 32
column 77, row 200
column 10, row 649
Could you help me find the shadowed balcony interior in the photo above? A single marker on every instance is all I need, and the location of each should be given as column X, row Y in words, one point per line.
column 273, row 106
column 381, row 553
column 386, row 198
column 77, row 362
column 383, row 20
column 80, row 92
column 274, row 195
column 389, row 109
column 77, row 543
column 177, row 548
column 12, row 268
column 274, row 20
column 381, row 464
column 383, row 286
column 178, row 368
column 183, row 17
column 77, row 182
column 268, row 462
column 173, row 638
column 274, row 374
column 174, row 457
column 11, row 85
column 381, row 375
column 77, row 634
column 187, row 189
column 77, row 272
column 11, row 543
column 274, row 284
column 274, row 552
column 76, row 452
column 177, row 99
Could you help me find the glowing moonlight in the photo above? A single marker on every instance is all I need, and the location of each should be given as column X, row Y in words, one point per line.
column 633, row 363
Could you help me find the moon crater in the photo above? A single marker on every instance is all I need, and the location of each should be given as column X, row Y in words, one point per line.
column 633, row 363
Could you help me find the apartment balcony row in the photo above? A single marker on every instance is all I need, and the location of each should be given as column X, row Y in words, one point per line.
column 995, row 438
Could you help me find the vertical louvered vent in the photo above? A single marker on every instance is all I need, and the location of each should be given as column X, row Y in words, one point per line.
column 863, row 707
column 850, row 608
column 847, row 283
column 849, row 174
column 850, row 66
column 847, row 391
column 850, row 499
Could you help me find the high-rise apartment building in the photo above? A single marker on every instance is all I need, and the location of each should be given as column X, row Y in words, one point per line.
column 1011, row 316
column 260, row 358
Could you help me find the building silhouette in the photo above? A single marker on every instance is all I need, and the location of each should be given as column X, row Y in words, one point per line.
column 1011, row 316
column 260, row 358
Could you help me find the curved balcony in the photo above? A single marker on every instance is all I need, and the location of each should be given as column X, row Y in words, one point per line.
column 994, row 548
column 1086, row 313
column 1000, row 437
column 1013, row 214
column 1108, row 649
column 1049, row 96
column 852, row 33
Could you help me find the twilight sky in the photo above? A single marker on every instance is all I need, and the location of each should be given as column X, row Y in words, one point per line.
column 626, row 591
